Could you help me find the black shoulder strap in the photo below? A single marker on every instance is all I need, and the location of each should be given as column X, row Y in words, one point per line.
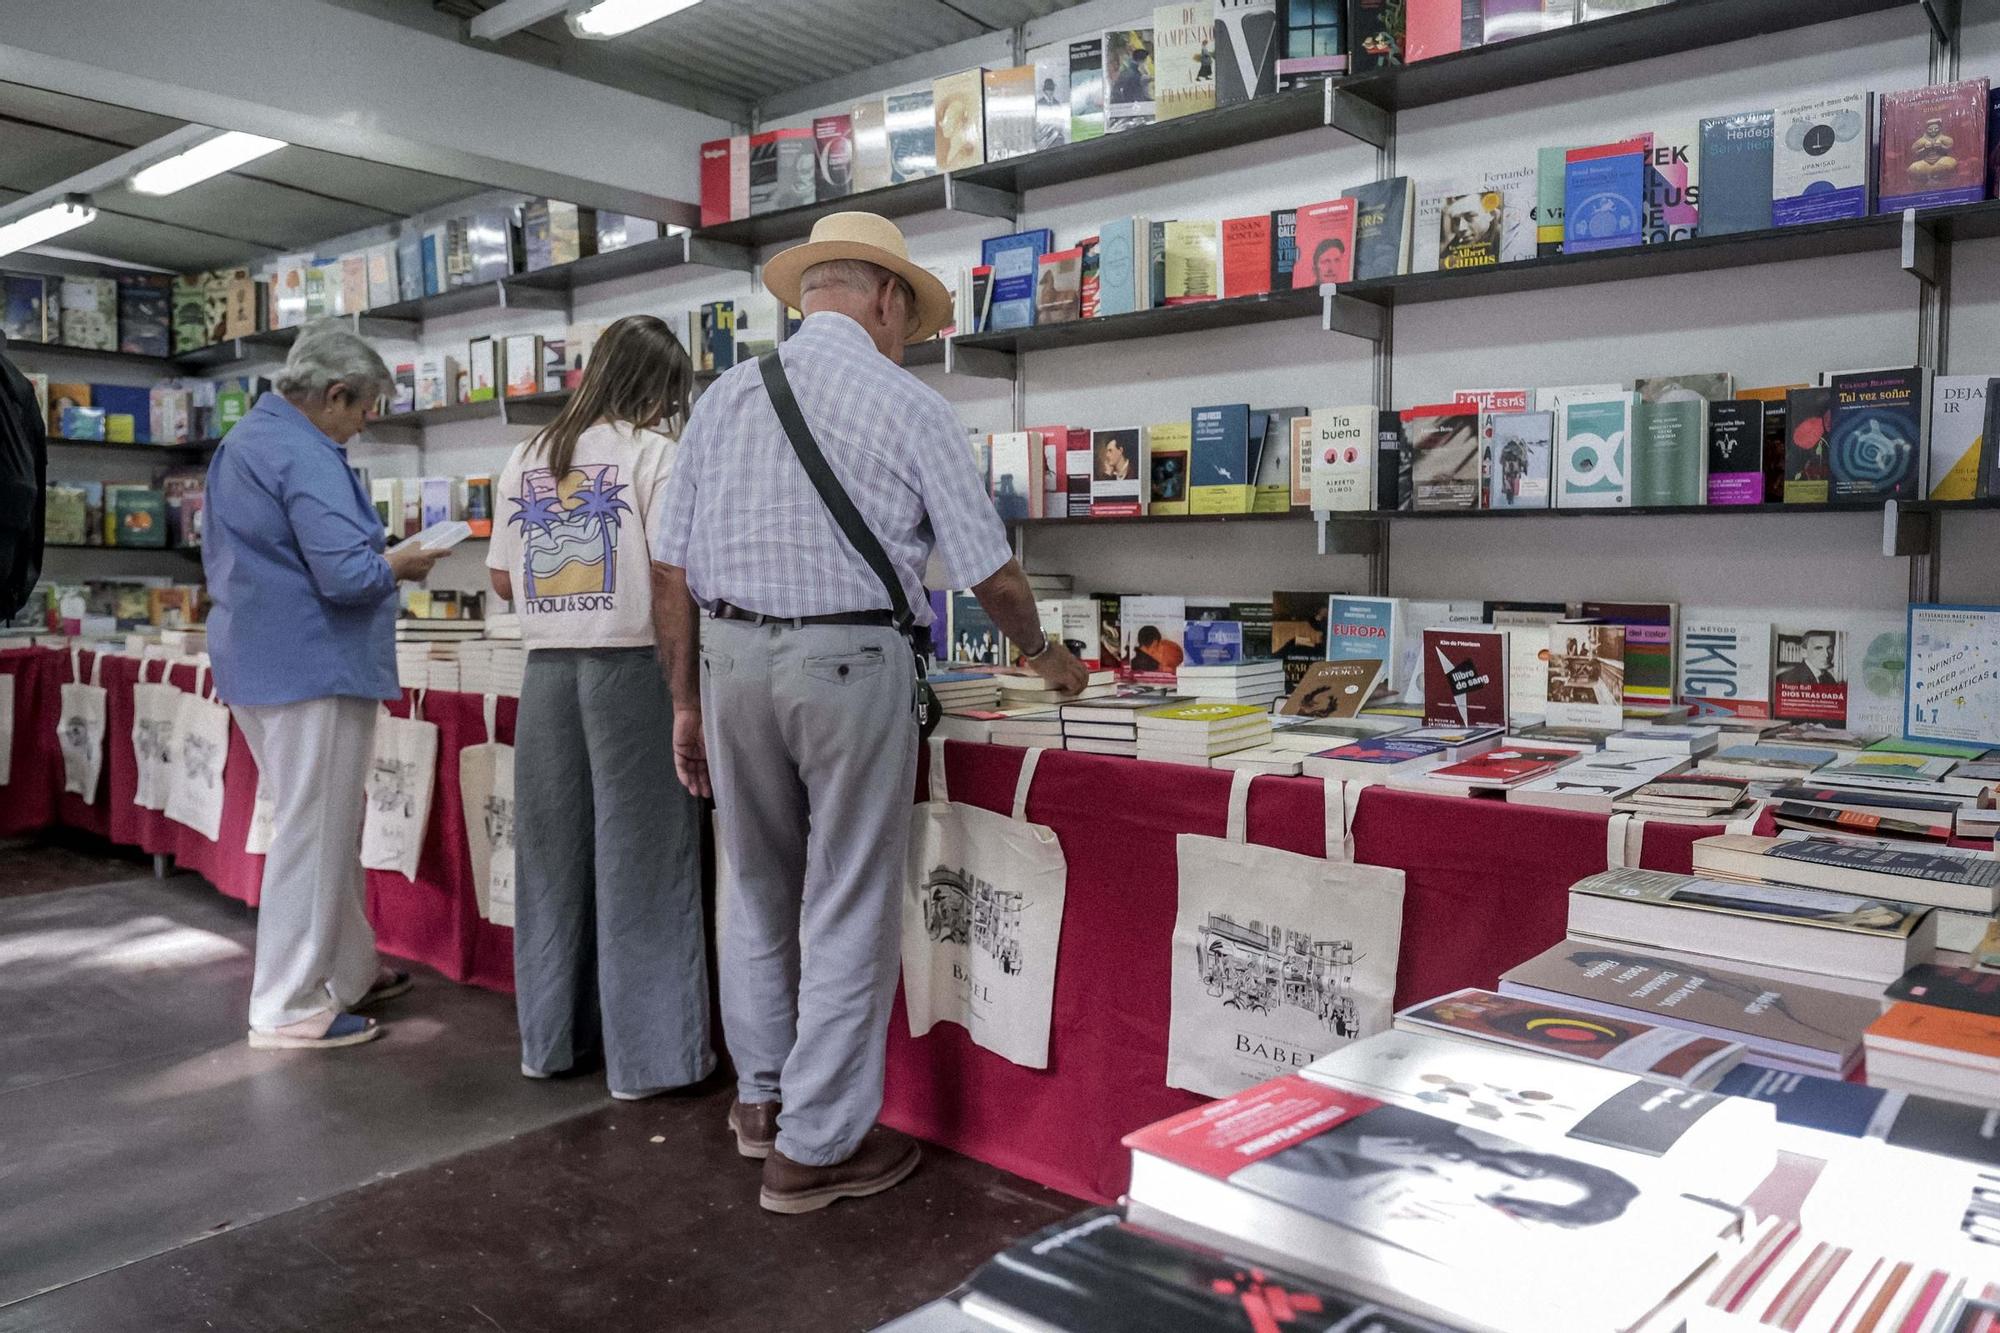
column 831, row 492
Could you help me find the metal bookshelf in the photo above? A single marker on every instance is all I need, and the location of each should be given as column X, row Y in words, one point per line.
column 181, row 450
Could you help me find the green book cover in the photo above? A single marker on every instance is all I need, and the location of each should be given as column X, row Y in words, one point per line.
column 140, row 516
column 1668, row 460
column 1551, row 165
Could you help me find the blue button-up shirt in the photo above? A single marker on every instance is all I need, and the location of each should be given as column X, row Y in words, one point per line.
column 745, row 522
column 305, row 605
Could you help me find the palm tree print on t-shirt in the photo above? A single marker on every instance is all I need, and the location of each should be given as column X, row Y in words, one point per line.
column 569, row 530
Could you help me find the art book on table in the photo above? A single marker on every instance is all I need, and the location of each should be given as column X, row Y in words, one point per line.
column 1594, row 452
column 1954, row 673
column 1220, row 462
column 1736, row 452
column 1604, row 195
column 1819, row 169
column 1341, row 466
column 1152, row 629
column 1725, row 667
column 1324, row 237
column 1382, row 214
column 1934, row 146
column 1958, row 435
column 1465, row 677
column 1586, row 675
column 1877, row 450
column 1086, row 89
column 1298, row 631
column 1016, row 260
column 1736, row 173
column 1213, row 643
column 1444, row 448
column 1368, row 629
column 1624, row 1045
column 1650, row 629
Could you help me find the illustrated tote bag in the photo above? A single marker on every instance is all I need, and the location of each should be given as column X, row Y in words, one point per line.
column 80, row 728
column 156, row 707
column 1278, row 958
column 201, row 739
column 400, row 779
column 486, row 790
column 6, row 730
column 982, row 920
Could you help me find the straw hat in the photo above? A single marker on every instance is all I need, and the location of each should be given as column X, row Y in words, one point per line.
column 869, row 237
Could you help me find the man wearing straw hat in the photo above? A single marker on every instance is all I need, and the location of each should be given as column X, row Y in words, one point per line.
column 810, row 691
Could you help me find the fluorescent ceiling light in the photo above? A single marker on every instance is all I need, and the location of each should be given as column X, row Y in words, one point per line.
column 611, row 18
column 225, row 152
column 50, row 222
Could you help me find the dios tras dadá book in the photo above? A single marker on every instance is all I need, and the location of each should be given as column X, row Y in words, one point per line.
column 1339, row 1182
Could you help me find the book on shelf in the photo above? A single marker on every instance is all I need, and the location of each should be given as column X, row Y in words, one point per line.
column 1305, row 1174
column 1651, row 631
column 1736, row 155
column 1551, row 183
column 1051, row 88
column 1586, row 675
column 1470, row 230
column 1934, row 146
column 1670, row 451
column 1877, row 447
column 1595, row 782
column 1808, row 467
column 1010, row 100
column 1340, row 459
column 1444, row 449
column 1284, row 245
column 1192, row 262
column 1165, row 449
column 1465, row 676
column 1735, row 445
column 1184, row 58
column 1809, row 681
column 1324, row 237
column 1867, row 939
column 833, row 156
column 25, row 307
column 1432, row 28
column 1514, row 182
column 1958, row 422
column 90, row 313
column 1246, row 255
column 912, row 135
column 145, row 315
column 1382, row 217
column 1395, row 484
column 1122, row 268
column 1333, row 689
column 1931, row 878
column 1594, row 465
column 1277, row 463
column 1604, row 195
column 1015, row 260
column 1249, row 41
column 1725, row 666
column 1484, row 1018
column 958, row 109
column 1086, row 89
column 1129, row 79
column 872, row 165
column 1059, row 287
column 1673, row 185
column 1014, row 477
column 1373, row 759
column 1821, row 159
column 1219, row 463
column 1517, row 452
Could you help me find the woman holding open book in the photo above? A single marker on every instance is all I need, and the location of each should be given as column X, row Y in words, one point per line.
column 608, row 938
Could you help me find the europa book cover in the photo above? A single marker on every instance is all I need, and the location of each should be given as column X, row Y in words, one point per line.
column 1933, row 146
column 1444, row 448
column 1808, row 445
column 1877, row 451
column 1465, row 677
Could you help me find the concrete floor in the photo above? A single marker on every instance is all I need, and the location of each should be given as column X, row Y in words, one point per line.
column 155, row 1173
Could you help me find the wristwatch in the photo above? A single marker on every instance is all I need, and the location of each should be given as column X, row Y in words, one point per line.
column 1041, row 652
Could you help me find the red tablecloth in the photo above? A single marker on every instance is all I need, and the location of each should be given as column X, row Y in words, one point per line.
column 1485, row 887
column 432, row 920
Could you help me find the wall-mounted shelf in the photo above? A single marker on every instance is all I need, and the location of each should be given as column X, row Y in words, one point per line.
column 530, row 409
column 1348, row 517
column 188, row 552
column 32, row 352
column 179, row 451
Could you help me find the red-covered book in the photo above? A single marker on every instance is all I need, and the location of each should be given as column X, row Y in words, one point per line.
column 1465, row 677
column 1508, row 766
column 1432, row 28
column 1326, row 243
column 1246, row 255
column 725, row 180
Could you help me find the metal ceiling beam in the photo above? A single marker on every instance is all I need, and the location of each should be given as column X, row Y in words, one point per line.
column 107, row 174
column 510, row 16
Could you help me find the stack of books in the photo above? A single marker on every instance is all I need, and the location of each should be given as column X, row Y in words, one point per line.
column 1495, row 770
column 1940, row 1035
column 958, row 690
column 1375, row 759
column 1309, row 735
column 1695, row 797
column 491, row 666
column 1107, row 726
column 1025, row 688
column 1028, row 728
column 1694, row 741
column 1596, row 782
column 1271, row 760
column 1785, row 1276
column 1195, row 733
column 1261, row 682
column 1762, row 761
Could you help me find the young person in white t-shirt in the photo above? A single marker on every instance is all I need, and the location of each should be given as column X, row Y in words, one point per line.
column 608, row 940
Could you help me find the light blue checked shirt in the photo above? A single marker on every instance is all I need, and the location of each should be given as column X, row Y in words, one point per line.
column 742, row 516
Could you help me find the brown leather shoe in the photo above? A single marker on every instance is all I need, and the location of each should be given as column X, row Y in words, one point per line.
column 755, row 1125
column 884, row 1160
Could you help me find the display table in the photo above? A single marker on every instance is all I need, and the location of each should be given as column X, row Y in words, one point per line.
column 1486, row 886
column 431, row 920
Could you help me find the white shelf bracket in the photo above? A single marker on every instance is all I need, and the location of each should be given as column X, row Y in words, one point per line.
column 1920, row 248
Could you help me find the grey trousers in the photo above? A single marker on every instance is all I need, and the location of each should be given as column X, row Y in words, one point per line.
column 812, row 749
column 315, row 948
column 608, row 938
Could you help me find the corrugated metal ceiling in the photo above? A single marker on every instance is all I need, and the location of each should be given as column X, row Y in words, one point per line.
column 292, row 200
column 754, row 49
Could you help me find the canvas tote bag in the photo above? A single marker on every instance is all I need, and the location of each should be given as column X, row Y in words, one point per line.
column 156, row 706
column 982, row 919
column 486, row 791
column 80, row 727
column 400, row 780
column 201, row 739
column 1278, row 958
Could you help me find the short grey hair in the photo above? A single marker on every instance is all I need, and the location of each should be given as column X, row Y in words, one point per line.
column 854, row 274
column 326, row 354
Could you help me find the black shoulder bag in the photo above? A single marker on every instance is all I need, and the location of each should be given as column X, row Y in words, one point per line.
column 853, row 526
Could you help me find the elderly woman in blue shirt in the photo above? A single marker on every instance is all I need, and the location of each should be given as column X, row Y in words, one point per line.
column 303, row 641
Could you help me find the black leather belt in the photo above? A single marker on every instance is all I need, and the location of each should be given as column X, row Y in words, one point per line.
column 724, row 611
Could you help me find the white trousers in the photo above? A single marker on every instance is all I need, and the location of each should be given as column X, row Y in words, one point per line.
column 315, row 948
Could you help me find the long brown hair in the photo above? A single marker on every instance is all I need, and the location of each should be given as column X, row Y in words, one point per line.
column 638, row 374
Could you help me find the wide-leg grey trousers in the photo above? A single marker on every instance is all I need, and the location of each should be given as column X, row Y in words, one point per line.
column 812, row 749
column 608, row 936
column 315, row 948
